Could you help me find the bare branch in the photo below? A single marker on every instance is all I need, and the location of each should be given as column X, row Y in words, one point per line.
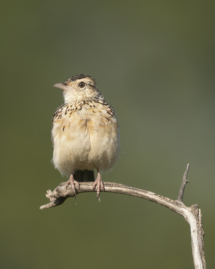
column 191, row 214
column 183, row 185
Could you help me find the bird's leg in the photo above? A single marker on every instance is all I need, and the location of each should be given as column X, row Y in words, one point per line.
column 73, row 182
column 98, row 185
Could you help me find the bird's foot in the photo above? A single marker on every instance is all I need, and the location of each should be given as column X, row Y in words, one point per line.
column 73, row 184
column 98, row 185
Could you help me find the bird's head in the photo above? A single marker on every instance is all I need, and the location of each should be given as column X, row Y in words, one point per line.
column 78, row 88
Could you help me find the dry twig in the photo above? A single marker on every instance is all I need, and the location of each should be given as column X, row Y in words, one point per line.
column 191, row 214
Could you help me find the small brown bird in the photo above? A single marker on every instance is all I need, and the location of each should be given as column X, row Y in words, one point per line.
column 85, row 133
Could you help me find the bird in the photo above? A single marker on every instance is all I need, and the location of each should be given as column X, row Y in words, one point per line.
column 85, row 133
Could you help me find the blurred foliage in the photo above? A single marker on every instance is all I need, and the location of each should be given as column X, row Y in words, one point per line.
column 154, row 62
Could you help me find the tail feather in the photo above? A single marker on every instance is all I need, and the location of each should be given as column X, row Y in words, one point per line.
column 84, row 176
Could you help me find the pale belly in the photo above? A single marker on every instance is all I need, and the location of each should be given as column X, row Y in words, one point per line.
column 82, row 144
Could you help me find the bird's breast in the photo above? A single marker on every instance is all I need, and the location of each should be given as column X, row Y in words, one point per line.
column 86, row 138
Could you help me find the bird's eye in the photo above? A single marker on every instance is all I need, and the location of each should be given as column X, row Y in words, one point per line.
column 81, row 84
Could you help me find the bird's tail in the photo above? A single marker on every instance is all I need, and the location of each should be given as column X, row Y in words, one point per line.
column 84, row 176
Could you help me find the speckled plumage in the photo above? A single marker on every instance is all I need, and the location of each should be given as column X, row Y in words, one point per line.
column 85, row 131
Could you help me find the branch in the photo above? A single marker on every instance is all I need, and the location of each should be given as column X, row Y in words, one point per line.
column 183, row 185
column 191, row 214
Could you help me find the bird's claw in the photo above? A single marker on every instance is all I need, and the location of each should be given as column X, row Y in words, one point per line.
column 74, row 184
column 98, row 185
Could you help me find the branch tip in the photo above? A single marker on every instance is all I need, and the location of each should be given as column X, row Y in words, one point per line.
column 183, row 185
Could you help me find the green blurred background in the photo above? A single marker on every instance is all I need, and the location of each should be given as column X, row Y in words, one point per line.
column 154, row 61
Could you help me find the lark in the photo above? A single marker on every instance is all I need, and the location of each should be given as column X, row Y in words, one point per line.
column 85, row 133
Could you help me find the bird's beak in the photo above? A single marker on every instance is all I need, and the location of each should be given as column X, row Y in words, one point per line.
column 61, row 86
